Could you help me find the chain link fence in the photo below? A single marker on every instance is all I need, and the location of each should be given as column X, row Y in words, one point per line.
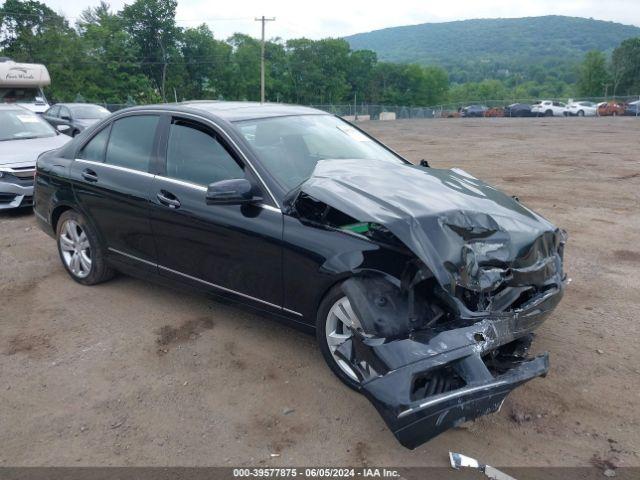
column 447, row 110
column 365, row 112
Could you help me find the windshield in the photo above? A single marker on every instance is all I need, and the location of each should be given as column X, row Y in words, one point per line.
column 89, row 111
column 289, row 147
column 20, row 95
column 22, row 124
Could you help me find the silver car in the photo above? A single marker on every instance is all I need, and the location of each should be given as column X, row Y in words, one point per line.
column 23, row 137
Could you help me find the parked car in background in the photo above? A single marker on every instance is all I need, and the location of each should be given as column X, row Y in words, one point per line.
column 23, row 136
column 611, row 109
column 421, row 285
column 494, row 112
column 581, row 109
column 474, row 111
column 518, row 110
column 633, row 109
column 548, row 108
column 77, row 116
column 22, row 83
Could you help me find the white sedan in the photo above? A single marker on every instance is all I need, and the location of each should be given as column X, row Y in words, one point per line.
column 23, row 136
column 581, row 109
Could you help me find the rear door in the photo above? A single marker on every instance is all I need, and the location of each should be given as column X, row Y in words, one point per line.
column 233, row 250
column 65, row 117
column 112, row 181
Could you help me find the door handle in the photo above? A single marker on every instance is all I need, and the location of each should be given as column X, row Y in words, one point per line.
column 89, row 175
column 168, row 199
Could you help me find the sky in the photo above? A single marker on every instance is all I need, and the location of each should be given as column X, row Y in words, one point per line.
column 337, row 18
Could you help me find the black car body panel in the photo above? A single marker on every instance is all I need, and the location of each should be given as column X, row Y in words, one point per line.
column 448, row 276
column 474, row 111
column 518, row 110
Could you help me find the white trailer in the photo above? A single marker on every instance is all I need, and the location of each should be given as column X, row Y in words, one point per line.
column 22, row 83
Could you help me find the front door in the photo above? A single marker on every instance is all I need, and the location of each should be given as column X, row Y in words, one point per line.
column 233, row 250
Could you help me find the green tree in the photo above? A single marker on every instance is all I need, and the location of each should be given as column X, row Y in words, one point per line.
column 206, row 64
column 245, row 68
column 593, row 74
column 360, row 73
column 625, row 65
column 112, row 71
column 32, row 32
column 153, row 30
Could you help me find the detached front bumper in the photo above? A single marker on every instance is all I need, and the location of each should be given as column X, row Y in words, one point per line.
column 421, row 420
column 434, row 380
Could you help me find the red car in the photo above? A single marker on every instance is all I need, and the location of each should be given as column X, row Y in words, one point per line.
column 612, row 108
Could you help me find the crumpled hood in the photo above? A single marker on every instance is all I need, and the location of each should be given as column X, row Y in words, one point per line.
column 467, row 232
column 26, row 151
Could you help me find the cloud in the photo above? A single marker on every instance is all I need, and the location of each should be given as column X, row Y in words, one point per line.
column 295, row 18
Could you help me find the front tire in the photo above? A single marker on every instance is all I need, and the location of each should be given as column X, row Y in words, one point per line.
column 80, row 251
column 334, row 321
column 581, row 113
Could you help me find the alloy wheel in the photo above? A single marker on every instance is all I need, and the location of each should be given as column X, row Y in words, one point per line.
column 75, row 248
column 341, row 320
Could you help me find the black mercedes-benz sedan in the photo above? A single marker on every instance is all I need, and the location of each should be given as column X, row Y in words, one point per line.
column 422, row 285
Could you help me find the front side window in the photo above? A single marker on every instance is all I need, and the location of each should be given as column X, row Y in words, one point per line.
column 94, row 150
column 289, row 147
column 131, row 142
column 195, row 155
column 21, row 124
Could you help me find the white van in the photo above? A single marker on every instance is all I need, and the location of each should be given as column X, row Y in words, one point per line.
column 22, row 83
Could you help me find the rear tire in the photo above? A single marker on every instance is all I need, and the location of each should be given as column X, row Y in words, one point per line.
column 581, row 113
column 325, row 320
column 80, row 251
column 548, row 113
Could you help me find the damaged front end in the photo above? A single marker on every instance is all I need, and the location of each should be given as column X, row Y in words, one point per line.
column 446, row 340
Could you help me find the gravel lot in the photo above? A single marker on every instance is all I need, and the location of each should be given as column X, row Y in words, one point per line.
column 129, row 373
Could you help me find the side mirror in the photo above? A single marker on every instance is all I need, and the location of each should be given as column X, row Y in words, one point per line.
column 63, row 128
column 231, row 192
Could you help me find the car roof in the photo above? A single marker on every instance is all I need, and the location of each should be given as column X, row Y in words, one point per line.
column 13, row 106
column 76, row 105
column 237, row 111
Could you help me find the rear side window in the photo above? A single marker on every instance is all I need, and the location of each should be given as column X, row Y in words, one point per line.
column 195, row 154
column 53, row 111
column 94, row 150
column 131, row 142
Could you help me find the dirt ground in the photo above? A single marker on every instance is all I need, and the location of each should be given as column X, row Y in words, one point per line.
column 129, row 373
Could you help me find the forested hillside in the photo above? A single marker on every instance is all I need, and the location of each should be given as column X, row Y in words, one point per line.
column 474, row 50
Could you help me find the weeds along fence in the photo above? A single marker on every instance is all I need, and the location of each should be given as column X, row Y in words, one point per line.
column 377, row 112
column 386, row 112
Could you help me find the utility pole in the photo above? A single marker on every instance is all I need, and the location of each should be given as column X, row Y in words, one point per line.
column 262, row 19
